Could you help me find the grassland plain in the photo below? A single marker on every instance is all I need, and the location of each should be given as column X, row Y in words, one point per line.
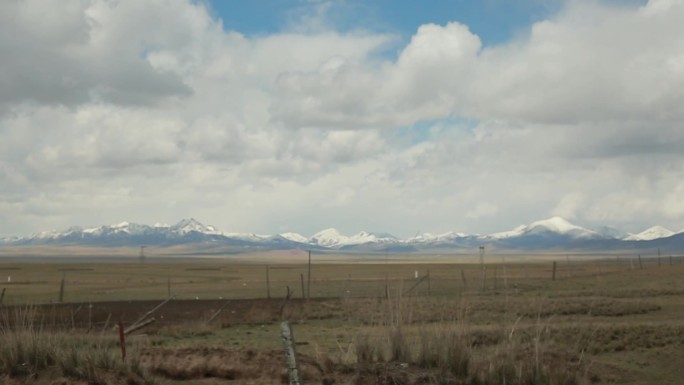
column 606, row 321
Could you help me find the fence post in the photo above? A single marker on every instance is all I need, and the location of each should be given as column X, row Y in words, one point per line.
column 505, row 274
column 553, row 275
column 641, row 265
column 386, row 287
column 463, row 279
column 61, row 289
column 308, row 281
column 268, row 284
column 282, row 304
column 659, row 257
column 428, row 282
column 2, row 296
column 484, row 278
column 290, row 354
column 90, row 316
column 301, row 276
column 122, row 341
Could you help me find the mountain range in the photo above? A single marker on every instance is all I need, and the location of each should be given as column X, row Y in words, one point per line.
column 549, row 234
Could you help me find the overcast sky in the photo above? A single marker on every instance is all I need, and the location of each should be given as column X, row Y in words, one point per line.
column 272, row 116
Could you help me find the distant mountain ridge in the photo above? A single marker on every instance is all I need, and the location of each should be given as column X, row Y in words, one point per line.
column 551, row 233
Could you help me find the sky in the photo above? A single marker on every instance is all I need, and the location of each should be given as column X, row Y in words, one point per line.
column 396, row 116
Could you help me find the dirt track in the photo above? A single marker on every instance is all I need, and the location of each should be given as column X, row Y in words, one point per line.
column 102, row 314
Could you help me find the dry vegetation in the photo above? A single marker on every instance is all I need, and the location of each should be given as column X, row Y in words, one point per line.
column 596, row 323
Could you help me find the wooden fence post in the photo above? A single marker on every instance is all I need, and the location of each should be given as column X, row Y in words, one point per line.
column 290, row 354
column 553, row 275
column 308, row 281
column 463, row 279
column 428, row 282
column 505, row 275
column 122, row 341
column 484, row 278
column 659, row 257
column 282, row 304
column 301, row 276
column 386, row 287
column 90, row 317
column 641, row 265
column 61, row 289
column 268, row 284
column 2, row 296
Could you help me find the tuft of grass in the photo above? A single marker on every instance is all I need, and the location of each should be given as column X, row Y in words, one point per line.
column 451, row 352
column 28, row 347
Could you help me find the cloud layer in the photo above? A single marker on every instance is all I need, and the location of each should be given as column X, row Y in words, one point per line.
column 152, row 111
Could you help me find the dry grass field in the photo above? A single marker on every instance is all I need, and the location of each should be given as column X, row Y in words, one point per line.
column 601, row 321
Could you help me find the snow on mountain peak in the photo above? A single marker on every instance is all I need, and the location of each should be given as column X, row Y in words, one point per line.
column 188, row 225
column 556, row 224
column 547, row 231
column 364, row 237
column 295, row 237
column 509, row 234
column 333, row 238
column 650, row 234
column 329, row 238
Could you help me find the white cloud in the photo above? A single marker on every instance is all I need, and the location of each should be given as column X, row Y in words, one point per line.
column 482, row 209
column 569, row 205
column 150, row 111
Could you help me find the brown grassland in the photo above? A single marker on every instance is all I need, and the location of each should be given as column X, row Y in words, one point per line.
column 368, row 321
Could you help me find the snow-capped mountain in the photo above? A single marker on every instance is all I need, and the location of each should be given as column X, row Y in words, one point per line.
column 295, row 237
column 551, row 233
column 328, row 238
column 551, row 226
column 650, row 234
column 433, row 238
column 331, row 238
column 191, row 225
column 364, row 237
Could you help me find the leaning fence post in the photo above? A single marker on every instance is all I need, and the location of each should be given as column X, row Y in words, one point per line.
column 290, row 353
column 122, row 341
